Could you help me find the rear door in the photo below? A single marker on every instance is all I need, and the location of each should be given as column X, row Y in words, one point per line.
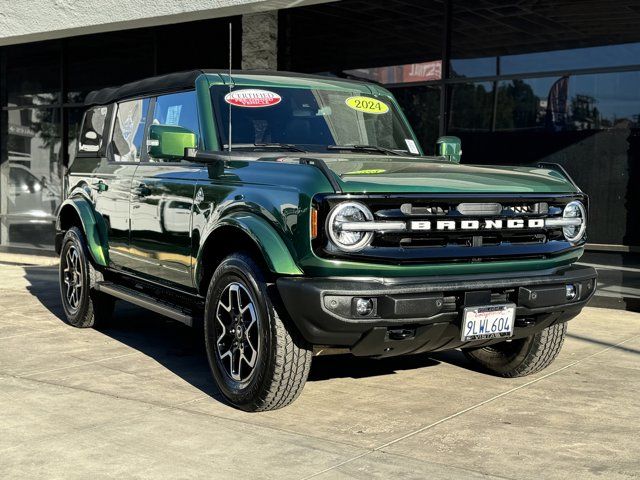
column 162, row 201
column 108, row 154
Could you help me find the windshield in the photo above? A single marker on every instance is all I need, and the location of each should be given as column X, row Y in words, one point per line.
column 310, row 120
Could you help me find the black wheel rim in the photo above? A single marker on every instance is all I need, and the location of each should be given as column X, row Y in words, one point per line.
column 237, row 330
column 72, row 278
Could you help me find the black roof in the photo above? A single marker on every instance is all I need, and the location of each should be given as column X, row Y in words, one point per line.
column 177, row 81
column 146, row 86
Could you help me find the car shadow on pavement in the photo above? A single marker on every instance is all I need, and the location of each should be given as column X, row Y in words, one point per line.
column 180, row 349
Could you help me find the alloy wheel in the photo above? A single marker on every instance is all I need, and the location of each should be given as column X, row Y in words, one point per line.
column 72, row 277
column 237, row 332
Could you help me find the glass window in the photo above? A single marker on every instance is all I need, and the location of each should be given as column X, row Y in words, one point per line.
column 312, row 119
column 178, row 109
column 93, row 129
column 471, row 107
column 570, row 59
column 33, row 74
column 421, row 105
column 128, row 132
column 31, row 177
column 112, row 54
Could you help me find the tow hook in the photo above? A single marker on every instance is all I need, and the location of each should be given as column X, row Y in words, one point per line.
column 401, row 334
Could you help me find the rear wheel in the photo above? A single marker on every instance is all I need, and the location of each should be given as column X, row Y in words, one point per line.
column 523, row 356
column 258, row 361
column 83, row 306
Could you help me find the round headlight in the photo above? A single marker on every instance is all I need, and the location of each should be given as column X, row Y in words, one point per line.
column 575, row 209
column 349, row 240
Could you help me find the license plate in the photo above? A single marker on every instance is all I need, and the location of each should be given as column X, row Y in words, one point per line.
column 490, row 321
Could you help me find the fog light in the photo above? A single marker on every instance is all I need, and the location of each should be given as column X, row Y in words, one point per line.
column 364, row 306
column 571, row 292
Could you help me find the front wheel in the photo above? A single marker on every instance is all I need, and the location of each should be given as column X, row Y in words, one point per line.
column 521, row 357
column 258, row 361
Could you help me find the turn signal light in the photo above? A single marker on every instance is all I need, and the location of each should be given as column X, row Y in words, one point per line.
column 314, row 222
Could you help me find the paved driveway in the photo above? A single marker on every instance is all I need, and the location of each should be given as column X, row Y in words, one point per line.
column 137, row 401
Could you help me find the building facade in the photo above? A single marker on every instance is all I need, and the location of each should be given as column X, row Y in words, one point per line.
column 520, row 82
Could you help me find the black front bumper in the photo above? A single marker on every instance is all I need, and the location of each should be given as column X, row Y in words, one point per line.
column 414, row 315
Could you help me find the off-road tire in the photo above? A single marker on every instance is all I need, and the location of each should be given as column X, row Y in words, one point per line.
column 523, row 356
column 93, row 309
column 283, row 358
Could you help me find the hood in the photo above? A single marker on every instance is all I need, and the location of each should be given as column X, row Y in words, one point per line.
column 377, row 174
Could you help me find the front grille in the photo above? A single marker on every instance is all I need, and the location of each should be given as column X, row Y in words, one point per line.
column 472, row 244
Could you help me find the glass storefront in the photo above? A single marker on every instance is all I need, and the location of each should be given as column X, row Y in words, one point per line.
column 42, row 87
column 519, row 83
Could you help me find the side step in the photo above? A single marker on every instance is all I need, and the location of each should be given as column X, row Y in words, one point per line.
column 145, row 301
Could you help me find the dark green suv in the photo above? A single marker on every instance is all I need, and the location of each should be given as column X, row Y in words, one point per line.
column 288, row 213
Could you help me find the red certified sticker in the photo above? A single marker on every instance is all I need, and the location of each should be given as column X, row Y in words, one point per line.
column 252, row 98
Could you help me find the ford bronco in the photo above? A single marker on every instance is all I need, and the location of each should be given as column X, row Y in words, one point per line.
column 290, row 213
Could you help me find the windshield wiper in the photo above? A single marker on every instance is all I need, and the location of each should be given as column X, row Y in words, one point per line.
column 363, row 148
column 282, row 146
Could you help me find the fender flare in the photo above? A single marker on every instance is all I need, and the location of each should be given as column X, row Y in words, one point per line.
column 93, row 227
column 273, row 248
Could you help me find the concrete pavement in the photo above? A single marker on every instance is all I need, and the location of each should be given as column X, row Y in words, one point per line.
column 137, row 401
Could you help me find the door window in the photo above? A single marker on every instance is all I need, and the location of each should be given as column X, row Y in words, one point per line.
column 177, row 109
column 93, row 129
column 128, row 133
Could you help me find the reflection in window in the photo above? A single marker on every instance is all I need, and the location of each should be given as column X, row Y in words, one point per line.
column 409, row 73
column 421, row 105
column 31, row 177
column 129, row 130
column 93, row 129
column 471, row 107
column 178, row 109
column 570, row 103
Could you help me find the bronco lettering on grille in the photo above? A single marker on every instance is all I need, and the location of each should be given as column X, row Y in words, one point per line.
column 441, row 225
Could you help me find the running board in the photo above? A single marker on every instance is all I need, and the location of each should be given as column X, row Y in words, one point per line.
column 144, row 301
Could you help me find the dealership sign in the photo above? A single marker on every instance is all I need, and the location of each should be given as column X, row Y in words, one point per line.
column 252, row 98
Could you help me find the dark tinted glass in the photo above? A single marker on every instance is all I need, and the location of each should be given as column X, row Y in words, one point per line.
column 119, row 57
column 421, row 105
column 571, row 103
column 601, row 56
column 33, row 74
column 471, row 107
column 542, row 36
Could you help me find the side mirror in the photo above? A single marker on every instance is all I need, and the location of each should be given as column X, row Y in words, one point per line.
column 169, row 141
column 449, row 148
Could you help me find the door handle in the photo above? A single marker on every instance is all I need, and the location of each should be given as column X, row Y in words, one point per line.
column 100, row 186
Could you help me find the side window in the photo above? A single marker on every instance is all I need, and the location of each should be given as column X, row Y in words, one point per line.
column 92, row 130
column 128, row 132
column 177, row 109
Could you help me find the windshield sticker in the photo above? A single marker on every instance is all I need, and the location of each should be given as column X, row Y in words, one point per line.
column 411, row 145
column 367, row 105
column 372, row 171
column 252, row 98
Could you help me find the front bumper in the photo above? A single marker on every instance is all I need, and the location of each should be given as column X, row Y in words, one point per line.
column 413, row 315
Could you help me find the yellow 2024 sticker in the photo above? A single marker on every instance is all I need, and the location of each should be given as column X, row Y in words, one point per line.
column 367, row 105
